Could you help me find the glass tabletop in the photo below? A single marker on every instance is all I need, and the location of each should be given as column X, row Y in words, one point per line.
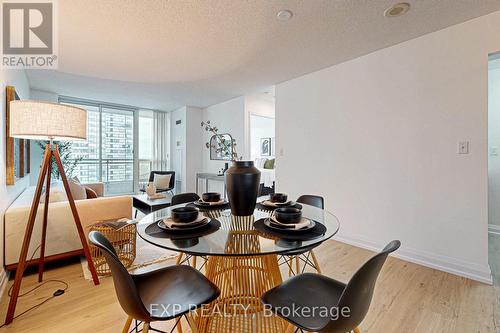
column 236, row 235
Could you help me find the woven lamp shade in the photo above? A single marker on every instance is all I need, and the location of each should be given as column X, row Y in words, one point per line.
column 47, row 121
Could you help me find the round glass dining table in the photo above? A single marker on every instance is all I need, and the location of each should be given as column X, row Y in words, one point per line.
column 242, row 261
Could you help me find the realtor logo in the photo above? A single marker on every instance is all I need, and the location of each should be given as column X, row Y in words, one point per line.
column 28, row 34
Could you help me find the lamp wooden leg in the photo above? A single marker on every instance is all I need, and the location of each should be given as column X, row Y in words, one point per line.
column 127, row 324
column 44, row 226
column 145, row 328
column 78, row 223
column 27, row 237
column 316, row 263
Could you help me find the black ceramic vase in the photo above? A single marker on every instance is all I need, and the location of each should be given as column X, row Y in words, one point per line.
column 242, row 184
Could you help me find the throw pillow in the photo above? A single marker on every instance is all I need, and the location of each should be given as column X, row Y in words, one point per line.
column 77, row 189
column 162, row 182
column 269, row 164
column 91, row 194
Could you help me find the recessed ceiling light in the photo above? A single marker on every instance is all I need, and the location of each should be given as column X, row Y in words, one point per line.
column 397, row 10
column 284, row 15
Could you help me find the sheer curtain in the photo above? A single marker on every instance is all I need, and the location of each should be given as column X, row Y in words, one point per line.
column 161, row 141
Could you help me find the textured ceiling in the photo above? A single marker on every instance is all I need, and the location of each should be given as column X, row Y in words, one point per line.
column 169, row 53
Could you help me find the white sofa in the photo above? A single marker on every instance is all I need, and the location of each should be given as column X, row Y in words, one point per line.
column 62, row 236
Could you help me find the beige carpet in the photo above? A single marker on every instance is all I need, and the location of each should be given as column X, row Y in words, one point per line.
column 147, row 257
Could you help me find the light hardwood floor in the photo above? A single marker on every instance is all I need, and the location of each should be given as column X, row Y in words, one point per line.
column 408, row 298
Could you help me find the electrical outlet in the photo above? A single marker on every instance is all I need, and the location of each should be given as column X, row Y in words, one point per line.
column 463, row 147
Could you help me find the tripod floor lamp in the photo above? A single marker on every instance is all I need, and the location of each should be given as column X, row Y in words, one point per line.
column 46, row 121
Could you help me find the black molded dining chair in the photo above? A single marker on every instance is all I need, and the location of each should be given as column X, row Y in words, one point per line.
column 347, row 305
column 179, row 199
column 164, row 294
column 304, row 256
column 184, row 198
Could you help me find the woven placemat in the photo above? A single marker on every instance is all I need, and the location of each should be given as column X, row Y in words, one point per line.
column 154, row 230
column 318, row 231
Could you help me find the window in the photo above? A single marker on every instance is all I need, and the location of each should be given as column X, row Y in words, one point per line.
column 146, row 130
column 108, row 154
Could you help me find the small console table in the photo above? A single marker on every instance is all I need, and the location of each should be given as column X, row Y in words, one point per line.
column 210, row 176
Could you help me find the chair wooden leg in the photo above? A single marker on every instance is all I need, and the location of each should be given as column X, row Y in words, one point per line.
column 145, row 328
column 127, row 324
column 179, row 258
column 316, row 263
column 290, row 263
column 192, row 324
column 179, row 326
column 297, row 264
column 194, row 262
column 357, row 330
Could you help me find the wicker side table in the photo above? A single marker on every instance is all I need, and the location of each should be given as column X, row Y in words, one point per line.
column 122, row 235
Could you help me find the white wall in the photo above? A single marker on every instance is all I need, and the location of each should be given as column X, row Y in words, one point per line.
column 186, row 146
column 19, row 80
column 229, row 117
column 494, row 142
column 194, row 146
column 178, row 146
column 377, row 136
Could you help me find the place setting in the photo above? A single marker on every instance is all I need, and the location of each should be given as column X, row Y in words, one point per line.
column 277, row 200
column 210, row 200
column 288, row 223
column 183, row 222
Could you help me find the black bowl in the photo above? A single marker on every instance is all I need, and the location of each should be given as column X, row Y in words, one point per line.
column 278, row 197
column 185, row 214
column 288, row 215
column 210, row 197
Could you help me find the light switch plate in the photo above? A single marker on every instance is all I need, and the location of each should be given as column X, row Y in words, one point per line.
column 463, row 147
column 494, row 151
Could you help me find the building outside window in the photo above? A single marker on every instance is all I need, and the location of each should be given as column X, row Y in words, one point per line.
column 108, row 153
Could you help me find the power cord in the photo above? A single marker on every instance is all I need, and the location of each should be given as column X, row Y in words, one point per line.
column 56, row 293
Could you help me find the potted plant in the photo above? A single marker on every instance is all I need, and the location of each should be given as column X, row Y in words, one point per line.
column 68, row 161
column 242, row 178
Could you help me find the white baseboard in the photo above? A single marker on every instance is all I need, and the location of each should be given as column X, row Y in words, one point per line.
column 446, row 264
column 4, row 278
column 494, row 229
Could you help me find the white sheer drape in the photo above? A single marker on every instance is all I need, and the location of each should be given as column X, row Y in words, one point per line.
column 161, row 141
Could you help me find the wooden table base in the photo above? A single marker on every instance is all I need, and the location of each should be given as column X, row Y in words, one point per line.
column 242, row 281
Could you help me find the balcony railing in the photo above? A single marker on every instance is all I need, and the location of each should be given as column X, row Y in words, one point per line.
column 116, row 174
